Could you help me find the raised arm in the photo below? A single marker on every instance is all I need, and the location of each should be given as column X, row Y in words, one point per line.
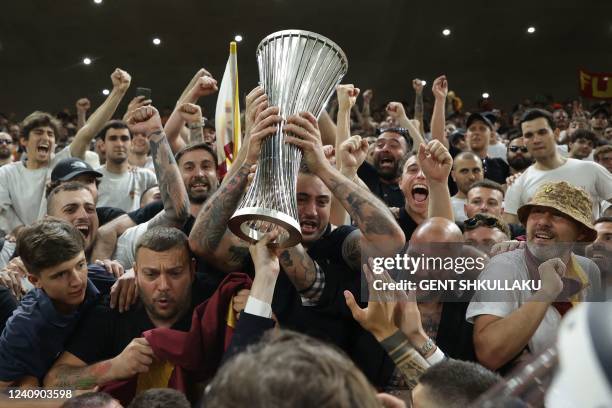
column 375, row 221
column 396, row 110
column 328, row 129
column 82, row 107
column 417, row 85
column 80, row 144
column 209, row 236
column 436, row 163
column 347, row 96
column 174, row 194
column 438, row 120
column 201, row 84
column 192, row 115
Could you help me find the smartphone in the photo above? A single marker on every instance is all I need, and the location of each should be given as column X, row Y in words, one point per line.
column 146, row 92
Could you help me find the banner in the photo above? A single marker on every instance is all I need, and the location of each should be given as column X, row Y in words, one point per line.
column 227, row 114
column 595, row 85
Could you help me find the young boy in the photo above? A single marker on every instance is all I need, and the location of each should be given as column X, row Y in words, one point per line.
column 53, row 253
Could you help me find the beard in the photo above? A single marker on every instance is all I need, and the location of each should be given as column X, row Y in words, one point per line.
column 388, row 173
column 545, row 252
column 5, row 154
column 520, row 163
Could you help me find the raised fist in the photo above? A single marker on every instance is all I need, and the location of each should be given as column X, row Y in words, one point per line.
column 144, row 120
column 368, row 95
column 190, row 113
column 83, row 105
column 347, row 96
column 121, row 80
column 204, row 86
column 440, row 87
column 396, row 110
column 417, row 85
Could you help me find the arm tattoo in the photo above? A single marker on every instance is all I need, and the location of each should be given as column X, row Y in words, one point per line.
column 351, row 250
column 418, row 106
column 211, row 224
column 299, row 267
column 237, row 255
column 82, row 378
column 171, row 186
column 196, row 135
column 407, row 360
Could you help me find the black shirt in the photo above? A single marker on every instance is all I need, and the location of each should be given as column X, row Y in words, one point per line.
column 331, row 319
column 496, row 169
column 8, row 303
column 147, row 212
column 455, row 334
column 107, row 214
column 406, row 223
column 390, row 194
column 103, row 333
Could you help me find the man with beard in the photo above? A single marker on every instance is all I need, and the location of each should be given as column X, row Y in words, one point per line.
column 121, row 185
column 601, row 253
column 467, row 169
column 383, row 176
column 22, row 185
column 6, row 148
column 599, row 121
column 518, row 157
column 508, row 321
column 328, row 260
column 550, row 166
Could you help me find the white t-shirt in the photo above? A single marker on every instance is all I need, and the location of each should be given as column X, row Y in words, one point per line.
column 459, row 209
column 124, row 190
column 498, row 150
column 594, row 178
column 125, row 252
column 511, row 267
column 22, row 192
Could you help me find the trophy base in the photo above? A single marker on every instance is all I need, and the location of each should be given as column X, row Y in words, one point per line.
column 252, row 223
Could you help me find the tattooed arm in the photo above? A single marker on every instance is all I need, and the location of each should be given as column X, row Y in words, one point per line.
column 209, row 236
column 174, row 195
column 378, row 227
column 407, row 360
column 300, row 268
column 417, row 84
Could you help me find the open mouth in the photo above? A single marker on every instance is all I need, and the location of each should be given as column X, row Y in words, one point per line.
column 309, row 227
column 200, row 186
column 43, row 149
column 420, row 192
column 83, row 229
column 544, row 236
column 386, row 161
column 164, row 303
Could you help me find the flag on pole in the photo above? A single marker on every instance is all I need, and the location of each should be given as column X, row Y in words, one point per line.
column 227, row 115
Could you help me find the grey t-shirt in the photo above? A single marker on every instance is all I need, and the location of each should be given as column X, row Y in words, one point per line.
column 124, row 190
column 511, row 267
column 22, row 192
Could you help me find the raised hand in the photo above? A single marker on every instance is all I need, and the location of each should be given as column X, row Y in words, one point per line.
column 265, row 125
column 440, row 87
column 347, row 96
column 265, row 258
column 304, row 133
column 353, row 152
column 137, row 102
column 368, row 95
column 124, row 292
column 204, row 86
column 417, row 85
column 83, row 105
column 121, row 80
column 255, row 99
column 396, row 111
column 145, row 120
column 191, row 113
column 435, row 161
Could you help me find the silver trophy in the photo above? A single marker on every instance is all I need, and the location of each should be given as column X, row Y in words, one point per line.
column 299, row 71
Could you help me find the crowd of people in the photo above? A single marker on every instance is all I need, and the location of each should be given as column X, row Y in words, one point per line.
column 121, row 281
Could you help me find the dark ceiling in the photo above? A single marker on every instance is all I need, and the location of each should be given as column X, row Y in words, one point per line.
column 43, row 42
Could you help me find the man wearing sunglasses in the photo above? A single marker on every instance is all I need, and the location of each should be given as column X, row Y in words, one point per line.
column 6, row 148
column 483, row 231
column 518, row 157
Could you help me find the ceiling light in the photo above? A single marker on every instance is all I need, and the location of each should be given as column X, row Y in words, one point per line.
column 238, row 38
column 98, row 1
column 86, row 61
column 446, row 32
column 105, row 92
column 531, row 30
column 423, row 83
column 156, row 41
column 485, row 95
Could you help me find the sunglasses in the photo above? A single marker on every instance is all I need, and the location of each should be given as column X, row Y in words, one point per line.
column 515, row 149
column 481, row 221
column 5, row 141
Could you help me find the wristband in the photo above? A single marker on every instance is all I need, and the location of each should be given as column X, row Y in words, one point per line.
column 426, row 347
column 196, row 125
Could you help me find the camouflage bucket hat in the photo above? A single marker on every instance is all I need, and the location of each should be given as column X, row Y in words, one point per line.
column 572, row 201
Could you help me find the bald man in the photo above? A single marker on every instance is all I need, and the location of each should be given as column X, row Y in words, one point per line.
column 467, row 169
column 443, row 322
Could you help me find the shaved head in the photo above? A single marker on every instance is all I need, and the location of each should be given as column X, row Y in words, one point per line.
column 436, row 229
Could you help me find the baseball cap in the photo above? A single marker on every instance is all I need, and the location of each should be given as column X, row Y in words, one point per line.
column 478, row 116
column 71, row 167
column 600, row 110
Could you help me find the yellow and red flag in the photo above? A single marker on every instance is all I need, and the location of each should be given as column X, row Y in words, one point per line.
column 227, row 115
column 595, row 85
